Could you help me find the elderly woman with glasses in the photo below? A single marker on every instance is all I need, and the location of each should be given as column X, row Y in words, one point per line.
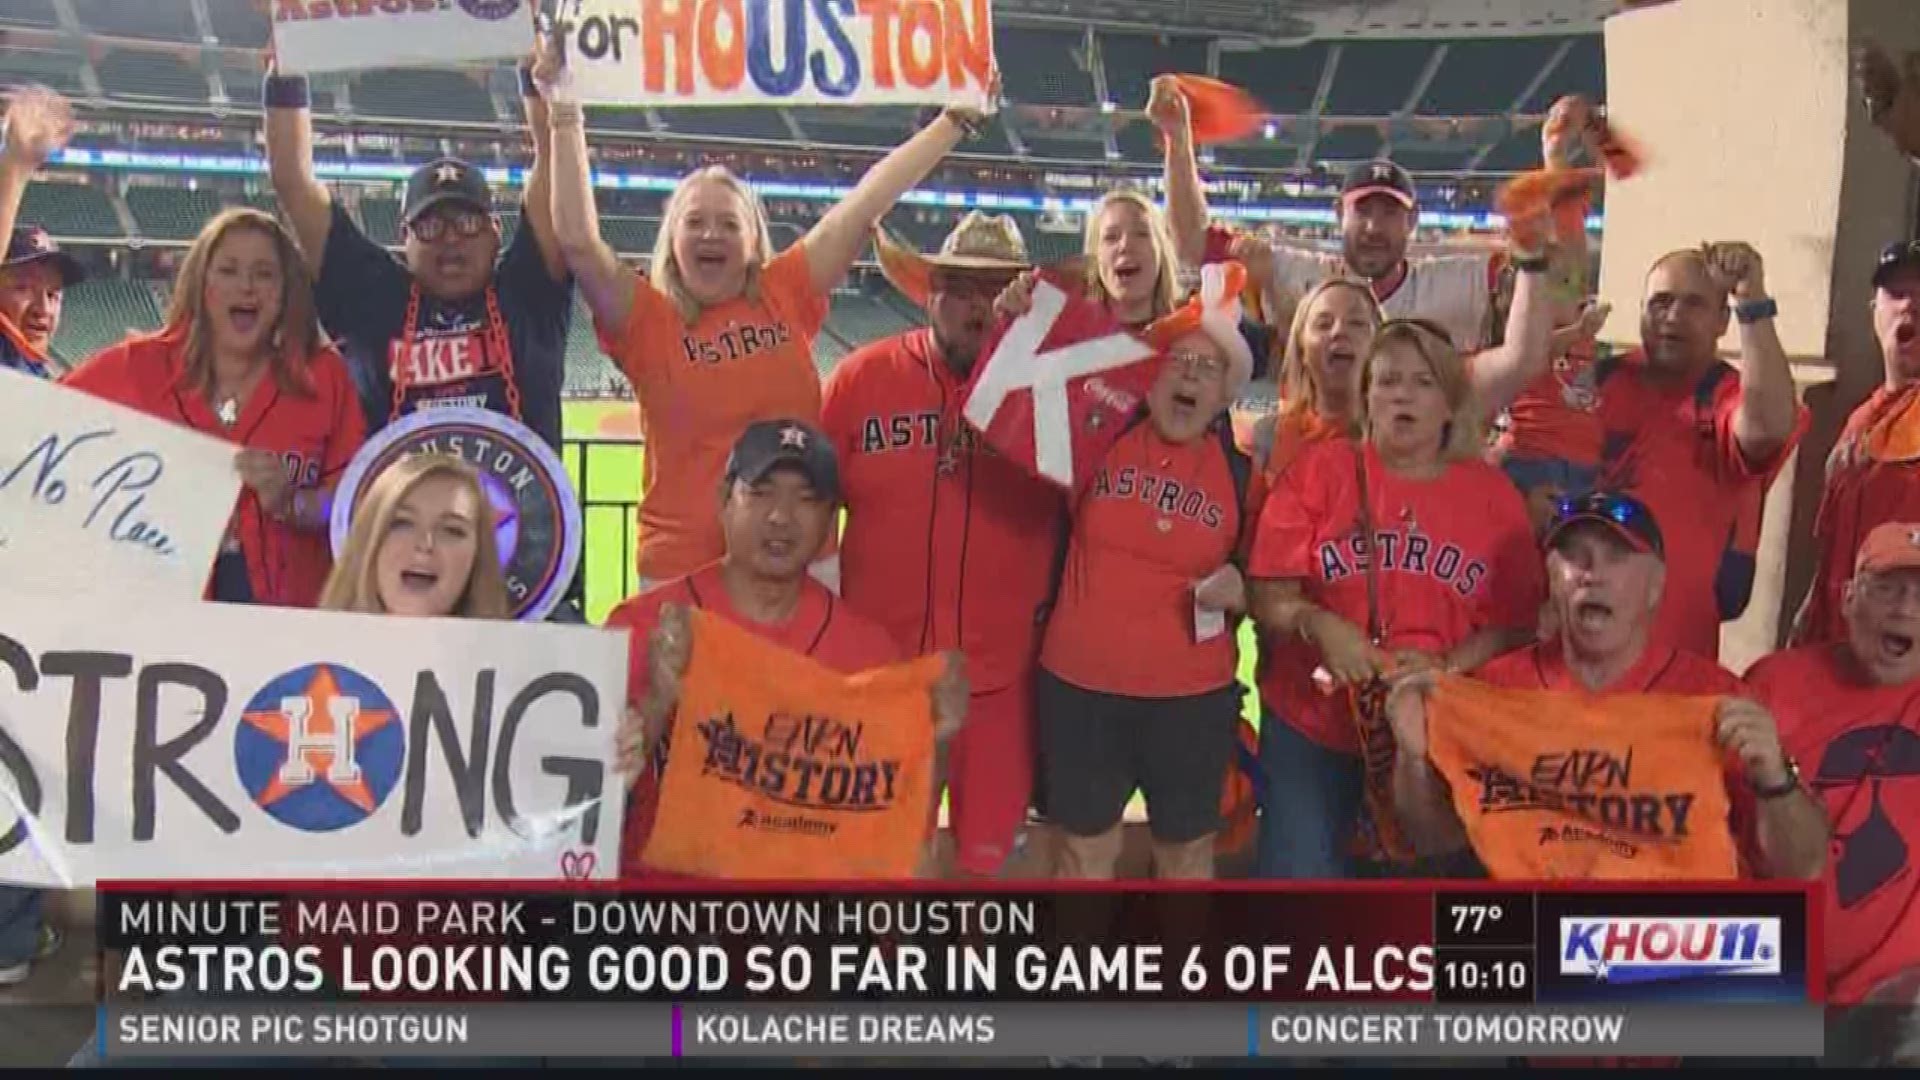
column 1402, row 551
column 1136, row 688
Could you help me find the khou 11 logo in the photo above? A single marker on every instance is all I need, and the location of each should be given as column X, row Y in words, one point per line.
column 1637, row 950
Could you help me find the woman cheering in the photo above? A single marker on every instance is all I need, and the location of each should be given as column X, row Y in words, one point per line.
column 241, row 358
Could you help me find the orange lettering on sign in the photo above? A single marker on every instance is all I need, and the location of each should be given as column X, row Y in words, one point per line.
column 920, row 52
column 662, row 19
column 725, row 63
column 883, row 13
column 968, row 43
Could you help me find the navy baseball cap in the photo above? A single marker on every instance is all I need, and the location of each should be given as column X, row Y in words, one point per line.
column 447, row 180
column 1626, row 516
column 768, row 444
column 31, row 244
column 1378, row 177
column 1895, row 257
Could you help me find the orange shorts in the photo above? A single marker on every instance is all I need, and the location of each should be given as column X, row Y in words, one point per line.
column 990, row 776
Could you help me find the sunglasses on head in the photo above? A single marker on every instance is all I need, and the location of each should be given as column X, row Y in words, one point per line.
column 433, row 225
column 1618, row 509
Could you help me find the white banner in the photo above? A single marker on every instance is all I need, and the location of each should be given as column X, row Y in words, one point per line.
column 97, row 497
column 226, row 741
column 779, row 52
column 346, row 35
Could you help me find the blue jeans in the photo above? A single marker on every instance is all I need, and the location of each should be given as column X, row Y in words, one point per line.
column 1310, row 806
column 20, row 919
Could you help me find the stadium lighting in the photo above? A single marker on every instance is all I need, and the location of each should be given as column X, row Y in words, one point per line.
column 1108, row 107
column 1272, row 131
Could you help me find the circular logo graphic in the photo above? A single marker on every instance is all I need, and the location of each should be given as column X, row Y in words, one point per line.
column 490, row 10
column 320, row 748
column 536, row 517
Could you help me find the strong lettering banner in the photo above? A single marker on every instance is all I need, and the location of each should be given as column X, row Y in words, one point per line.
column 782, row 769
column 1555, row 786
column 347, row 35
column 218, row 741
column 95, row 497
column 778, row 52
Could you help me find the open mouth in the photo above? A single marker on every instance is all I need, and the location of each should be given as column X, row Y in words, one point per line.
column 1402, row 419
column 244, row 317
column 1905, row 333
column 1185, row 400
column 778, row 547
column 37, row 328
column 1126, row 274
column 710, row 260
column 1591, row 614
column 1896, row 646
column 418, row 581
column 1341, row 356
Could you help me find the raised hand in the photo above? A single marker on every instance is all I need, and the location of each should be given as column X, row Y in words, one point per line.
column 1737, row 268
column 262, row 472
column 1167, row 106
column 1747, row 730
column 971, row 117
column 38, row 123
column 1017, row 298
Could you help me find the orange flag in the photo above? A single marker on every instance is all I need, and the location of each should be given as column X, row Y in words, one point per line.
column 1556, row 786
column 784, row 769
column 1219, row 111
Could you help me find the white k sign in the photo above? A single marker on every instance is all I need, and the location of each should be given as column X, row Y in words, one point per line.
column 1018, row 364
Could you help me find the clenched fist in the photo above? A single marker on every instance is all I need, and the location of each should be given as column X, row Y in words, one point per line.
column 1736, row 268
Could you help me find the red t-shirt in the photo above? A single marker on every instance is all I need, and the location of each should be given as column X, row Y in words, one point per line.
column 1873, row 477
column 315, row 432
column 1858, row 746
column 821, row 627
column 1155, row 518
column 947, row 544
column 1684, row 462
column 1457, row 553
column 1660, row 670
column 1557, row 415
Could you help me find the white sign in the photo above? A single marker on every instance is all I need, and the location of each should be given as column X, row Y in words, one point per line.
column 95, row 496
column 347, row 35
column 228, row 741
column 773, row 52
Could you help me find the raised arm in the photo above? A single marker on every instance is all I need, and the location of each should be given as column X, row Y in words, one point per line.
column 606, row 285
column 1186, row 196
column 1525, row 351
column 838, row 238
column 302, row 197
column 38, row 122
column 1792, row 829
column 1769, row 406
column 536, row 207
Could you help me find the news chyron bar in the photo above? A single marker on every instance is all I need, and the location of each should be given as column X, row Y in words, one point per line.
column 1226, row 970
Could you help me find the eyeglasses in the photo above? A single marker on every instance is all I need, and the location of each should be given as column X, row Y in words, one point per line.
column 1887, row 590
column 430, row 227
column 1204, row 366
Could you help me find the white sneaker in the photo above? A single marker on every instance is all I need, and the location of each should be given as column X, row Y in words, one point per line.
column 50, row 941
column 15, row 974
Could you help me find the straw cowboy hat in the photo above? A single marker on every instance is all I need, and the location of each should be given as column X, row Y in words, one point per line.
column 979, row 243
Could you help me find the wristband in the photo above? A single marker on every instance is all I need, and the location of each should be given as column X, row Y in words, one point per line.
column 528, row 88
column 968, row 129
column 1783, row 788
column 1752, row 311
column 286, row 92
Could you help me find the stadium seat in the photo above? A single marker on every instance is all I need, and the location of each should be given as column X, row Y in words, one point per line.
column 1043, row 67
column 1419, row 160
column 1063, row 148
column 607, row 119
column 70, row 210
column 1355, row 142
column 422, row 94
column 1139, row 143
column 587, row 369
column 1132, row 60
column 857, row 317
column 759, row 124
column 132, row 73
column 166, row 22
column 238, row 23
column 170, row 213
column 1270, row 155
column 1484, row 77
column 28, row 13
column 1376, row 77
column 876, row 127
column 1284, row 80
column 48, row 67
column 1048, row 247
column 242, row 82
column 100, row 312
column 1518, row 151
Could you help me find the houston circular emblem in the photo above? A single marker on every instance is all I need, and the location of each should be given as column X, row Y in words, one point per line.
column 320, row 747
column 536, row 517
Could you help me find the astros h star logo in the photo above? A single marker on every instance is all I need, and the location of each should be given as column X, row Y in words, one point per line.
column 320, row 747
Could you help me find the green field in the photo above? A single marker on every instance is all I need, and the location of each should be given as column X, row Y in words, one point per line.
column 613, row 474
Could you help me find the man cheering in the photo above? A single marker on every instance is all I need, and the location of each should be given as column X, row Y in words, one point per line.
column 459, row 323
column 949, row 545
column 34, row 273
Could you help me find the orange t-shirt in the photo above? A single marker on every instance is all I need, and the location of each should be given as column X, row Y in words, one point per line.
column 1684, row 462
column 948, row 544
column 315, row 434
column 1556, row 415
column 821, row 627
column 699, row 386
column 1873, row 477
column 1155, row 518
column 1858, row 746
column 1457, row 551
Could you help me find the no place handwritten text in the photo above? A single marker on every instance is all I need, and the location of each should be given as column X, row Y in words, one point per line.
column 114, row 498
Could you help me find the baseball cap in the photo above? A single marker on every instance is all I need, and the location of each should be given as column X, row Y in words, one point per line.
column 443, row 181
column 31, row 244
column 1627, row 516
column 1378, row 177
column 769, row 444
column 1891, row 546
column 1897, row 256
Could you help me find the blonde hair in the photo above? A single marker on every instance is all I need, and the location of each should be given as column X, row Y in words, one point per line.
column 1299, row 386
column 1462, row 438
column 665, row 269
column 296, row 335
column 1166, row 287
column 352, row 585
